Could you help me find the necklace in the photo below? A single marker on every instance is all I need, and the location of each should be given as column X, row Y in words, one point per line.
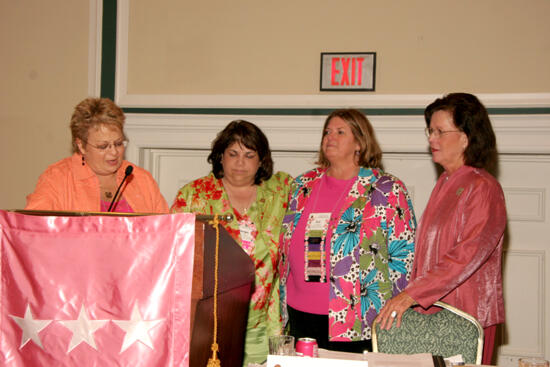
column 107, row 187
column 237, row 202
column 249, row 204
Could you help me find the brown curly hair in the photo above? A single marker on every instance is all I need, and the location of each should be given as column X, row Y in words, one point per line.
column 250, row 136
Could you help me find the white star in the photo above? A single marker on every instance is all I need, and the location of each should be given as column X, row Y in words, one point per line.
column 82, row 329
column 30, row 327
column 136, row 329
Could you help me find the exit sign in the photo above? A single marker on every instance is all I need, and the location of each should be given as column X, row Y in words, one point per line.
column 347, row 71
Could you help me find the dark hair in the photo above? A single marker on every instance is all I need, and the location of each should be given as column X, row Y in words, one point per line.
column 471, row 117
column 370, row 154
column 91, row 113
column 249, row 135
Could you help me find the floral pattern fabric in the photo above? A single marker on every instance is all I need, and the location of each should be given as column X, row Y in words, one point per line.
column 444, row 334
column 372, row 248
column 207, row 195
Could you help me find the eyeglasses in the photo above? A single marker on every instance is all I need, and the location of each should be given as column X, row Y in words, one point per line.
column 438, row 132
column 118, row 145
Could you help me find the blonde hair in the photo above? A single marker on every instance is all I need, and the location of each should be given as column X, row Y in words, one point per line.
column 92, row 113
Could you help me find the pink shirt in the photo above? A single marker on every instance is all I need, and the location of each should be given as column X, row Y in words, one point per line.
column 305, row 296
column 459, row 246
column 121, row 206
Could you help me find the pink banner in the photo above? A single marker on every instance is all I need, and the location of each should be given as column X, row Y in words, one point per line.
column 95, row 291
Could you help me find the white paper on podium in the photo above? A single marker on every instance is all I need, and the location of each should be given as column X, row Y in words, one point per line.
column 345, row 359
column 293, row 361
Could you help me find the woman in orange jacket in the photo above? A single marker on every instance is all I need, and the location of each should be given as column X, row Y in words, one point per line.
column 88, row 180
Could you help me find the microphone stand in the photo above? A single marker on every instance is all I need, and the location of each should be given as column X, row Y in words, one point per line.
column 127, row 173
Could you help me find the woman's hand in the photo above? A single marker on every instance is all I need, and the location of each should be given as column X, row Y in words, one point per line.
column 395, row 307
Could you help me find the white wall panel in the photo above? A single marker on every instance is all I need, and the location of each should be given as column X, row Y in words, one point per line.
column 525, row 333
column 525, row 204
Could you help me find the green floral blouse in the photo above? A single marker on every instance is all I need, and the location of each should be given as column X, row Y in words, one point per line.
column 206, row 195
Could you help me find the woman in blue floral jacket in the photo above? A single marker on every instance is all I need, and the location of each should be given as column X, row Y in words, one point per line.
column 348, row 239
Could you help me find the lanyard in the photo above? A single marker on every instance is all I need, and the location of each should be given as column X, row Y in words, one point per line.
column 316, row 230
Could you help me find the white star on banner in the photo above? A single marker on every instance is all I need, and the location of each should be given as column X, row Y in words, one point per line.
column 82, row 329
column 30, row 327
column 136, row 329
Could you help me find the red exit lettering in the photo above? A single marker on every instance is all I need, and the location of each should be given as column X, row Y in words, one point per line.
column 346, row 71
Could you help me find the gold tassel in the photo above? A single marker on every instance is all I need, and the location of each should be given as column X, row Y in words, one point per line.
column 214, row 361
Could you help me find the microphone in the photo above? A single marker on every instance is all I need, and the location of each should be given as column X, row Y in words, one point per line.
column 127, row 173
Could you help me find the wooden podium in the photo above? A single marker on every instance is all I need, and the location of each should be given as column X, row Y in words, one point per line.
column 235, row 286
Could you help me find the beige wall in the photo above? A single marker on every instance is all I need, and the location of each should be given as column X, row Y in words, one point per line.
column 273, row 47
column 44, row 68
column 253, row 47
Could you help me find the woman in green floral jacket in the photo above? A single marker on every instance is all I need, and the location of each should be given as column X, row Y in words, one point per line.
column 242, row 183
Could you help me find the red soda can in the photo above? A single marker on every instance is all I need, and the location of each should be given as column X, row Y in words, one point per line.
column 307, row 347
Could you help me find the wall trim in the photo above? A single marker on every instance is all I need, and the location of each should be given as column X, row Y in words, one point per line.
column 94, row 47
column 535, row 103
column 109, row 50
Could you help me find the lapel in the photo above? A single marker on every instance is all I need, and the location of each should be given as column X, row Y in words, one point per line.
column 308, row 181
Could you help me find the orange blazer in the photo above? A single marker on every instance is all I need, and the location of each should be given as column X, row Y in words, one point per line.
column 68, row 185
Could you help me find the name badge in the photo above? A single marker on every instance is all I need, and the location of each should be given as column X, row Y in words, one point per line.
column 314, row 247
column 247, row 230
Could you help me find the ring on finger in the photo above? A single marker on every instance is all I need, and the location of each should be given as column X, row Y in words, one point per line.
column 393, row 314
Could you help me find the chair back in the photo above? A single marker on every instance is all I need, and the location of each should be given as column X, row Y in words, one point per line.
column 445, row 333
